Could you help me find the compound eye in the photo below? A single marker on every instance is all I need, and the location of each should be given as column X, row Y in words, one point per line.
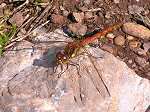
column 59, row 58
column 64, row 58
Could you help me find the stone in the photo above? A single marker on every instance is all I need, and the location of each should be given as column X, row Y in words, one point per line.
column 141, row 61
column 116, row 1
column 65, row 13
column 136, row 30
column 119, row 40
column 110, row 35
column 78, row 16
column 34, row 87
column 130, row 38
column 134, row 44
column 17, row 19
column 135, row 9
column 87, row 2
column 88, row 15
column 146, row 46
column 58, row 19
column 78, row 28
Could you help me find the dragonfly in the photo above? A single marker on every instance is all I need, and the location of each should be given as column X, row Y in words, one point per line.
column 72, row 50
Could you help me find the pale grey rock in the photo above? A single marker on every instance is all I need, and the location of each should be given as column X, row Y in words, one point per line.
column 78, row 16
column 35, row 89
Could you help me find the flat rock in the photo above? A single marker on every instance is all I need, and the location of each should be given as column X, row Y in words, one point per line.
column 33, row 87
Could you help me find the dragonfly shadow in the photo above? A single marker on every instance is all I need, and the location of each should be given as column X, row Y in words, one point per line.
column 48, row 59
column 78, row 37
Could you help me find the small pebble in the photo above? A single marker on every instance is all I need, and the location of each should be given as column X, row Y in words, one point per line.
column 145, row 12
column 3, row 5
column 17, row 19
column 65, row 13
column 146, row 46
column 78, row 16
column 141, row 52
column 134, row 65
column 130, row 37
column 108, row 15
column 110, row 35
column 141, row 61
column 130, row 61
column 137, row 30
column 148, row 53
column 116, row 1
column 135, row 9
column 61, row 8
column 83, row 9
column 134, row 44
column 119, row 40
column 78, row 28
column 87, row 1
column 58, row 19
column 88, row 15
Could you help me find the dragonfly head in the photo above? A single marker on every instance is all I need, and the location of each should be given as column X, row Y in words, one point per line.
column 61, row 58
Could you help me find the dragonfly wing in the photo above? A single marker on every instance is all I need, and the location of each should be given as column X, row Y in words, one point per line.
column 97, row 80
column 76, row 88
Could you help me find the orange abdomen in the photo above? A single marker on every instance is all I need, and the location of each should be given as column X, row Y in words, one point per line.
column 99, row 34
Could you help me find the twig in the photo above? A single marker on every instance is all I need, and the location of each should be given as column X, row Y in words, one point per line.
column 93, row 10
column 37, row 21
column 21, row 38
column 19, row 8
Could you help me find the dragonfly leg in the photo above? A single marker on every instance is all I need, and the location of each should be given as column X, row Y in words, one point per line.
column 77, row 67
column 8, row 84
column 62, row 71
column 55, row 69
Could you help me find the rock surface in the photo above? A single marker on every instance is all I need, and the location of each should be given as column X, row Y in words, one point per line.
column 34, row 88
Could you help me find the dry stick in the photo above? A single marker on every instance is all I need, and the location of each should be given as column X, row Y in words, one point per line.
column 16, row 10
column 29, row 32
column 41, row 16
column 145, row 20
column 19, row 8
column 14, row 41
column 30, row 19
column 23, row 25
column 93, row 10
